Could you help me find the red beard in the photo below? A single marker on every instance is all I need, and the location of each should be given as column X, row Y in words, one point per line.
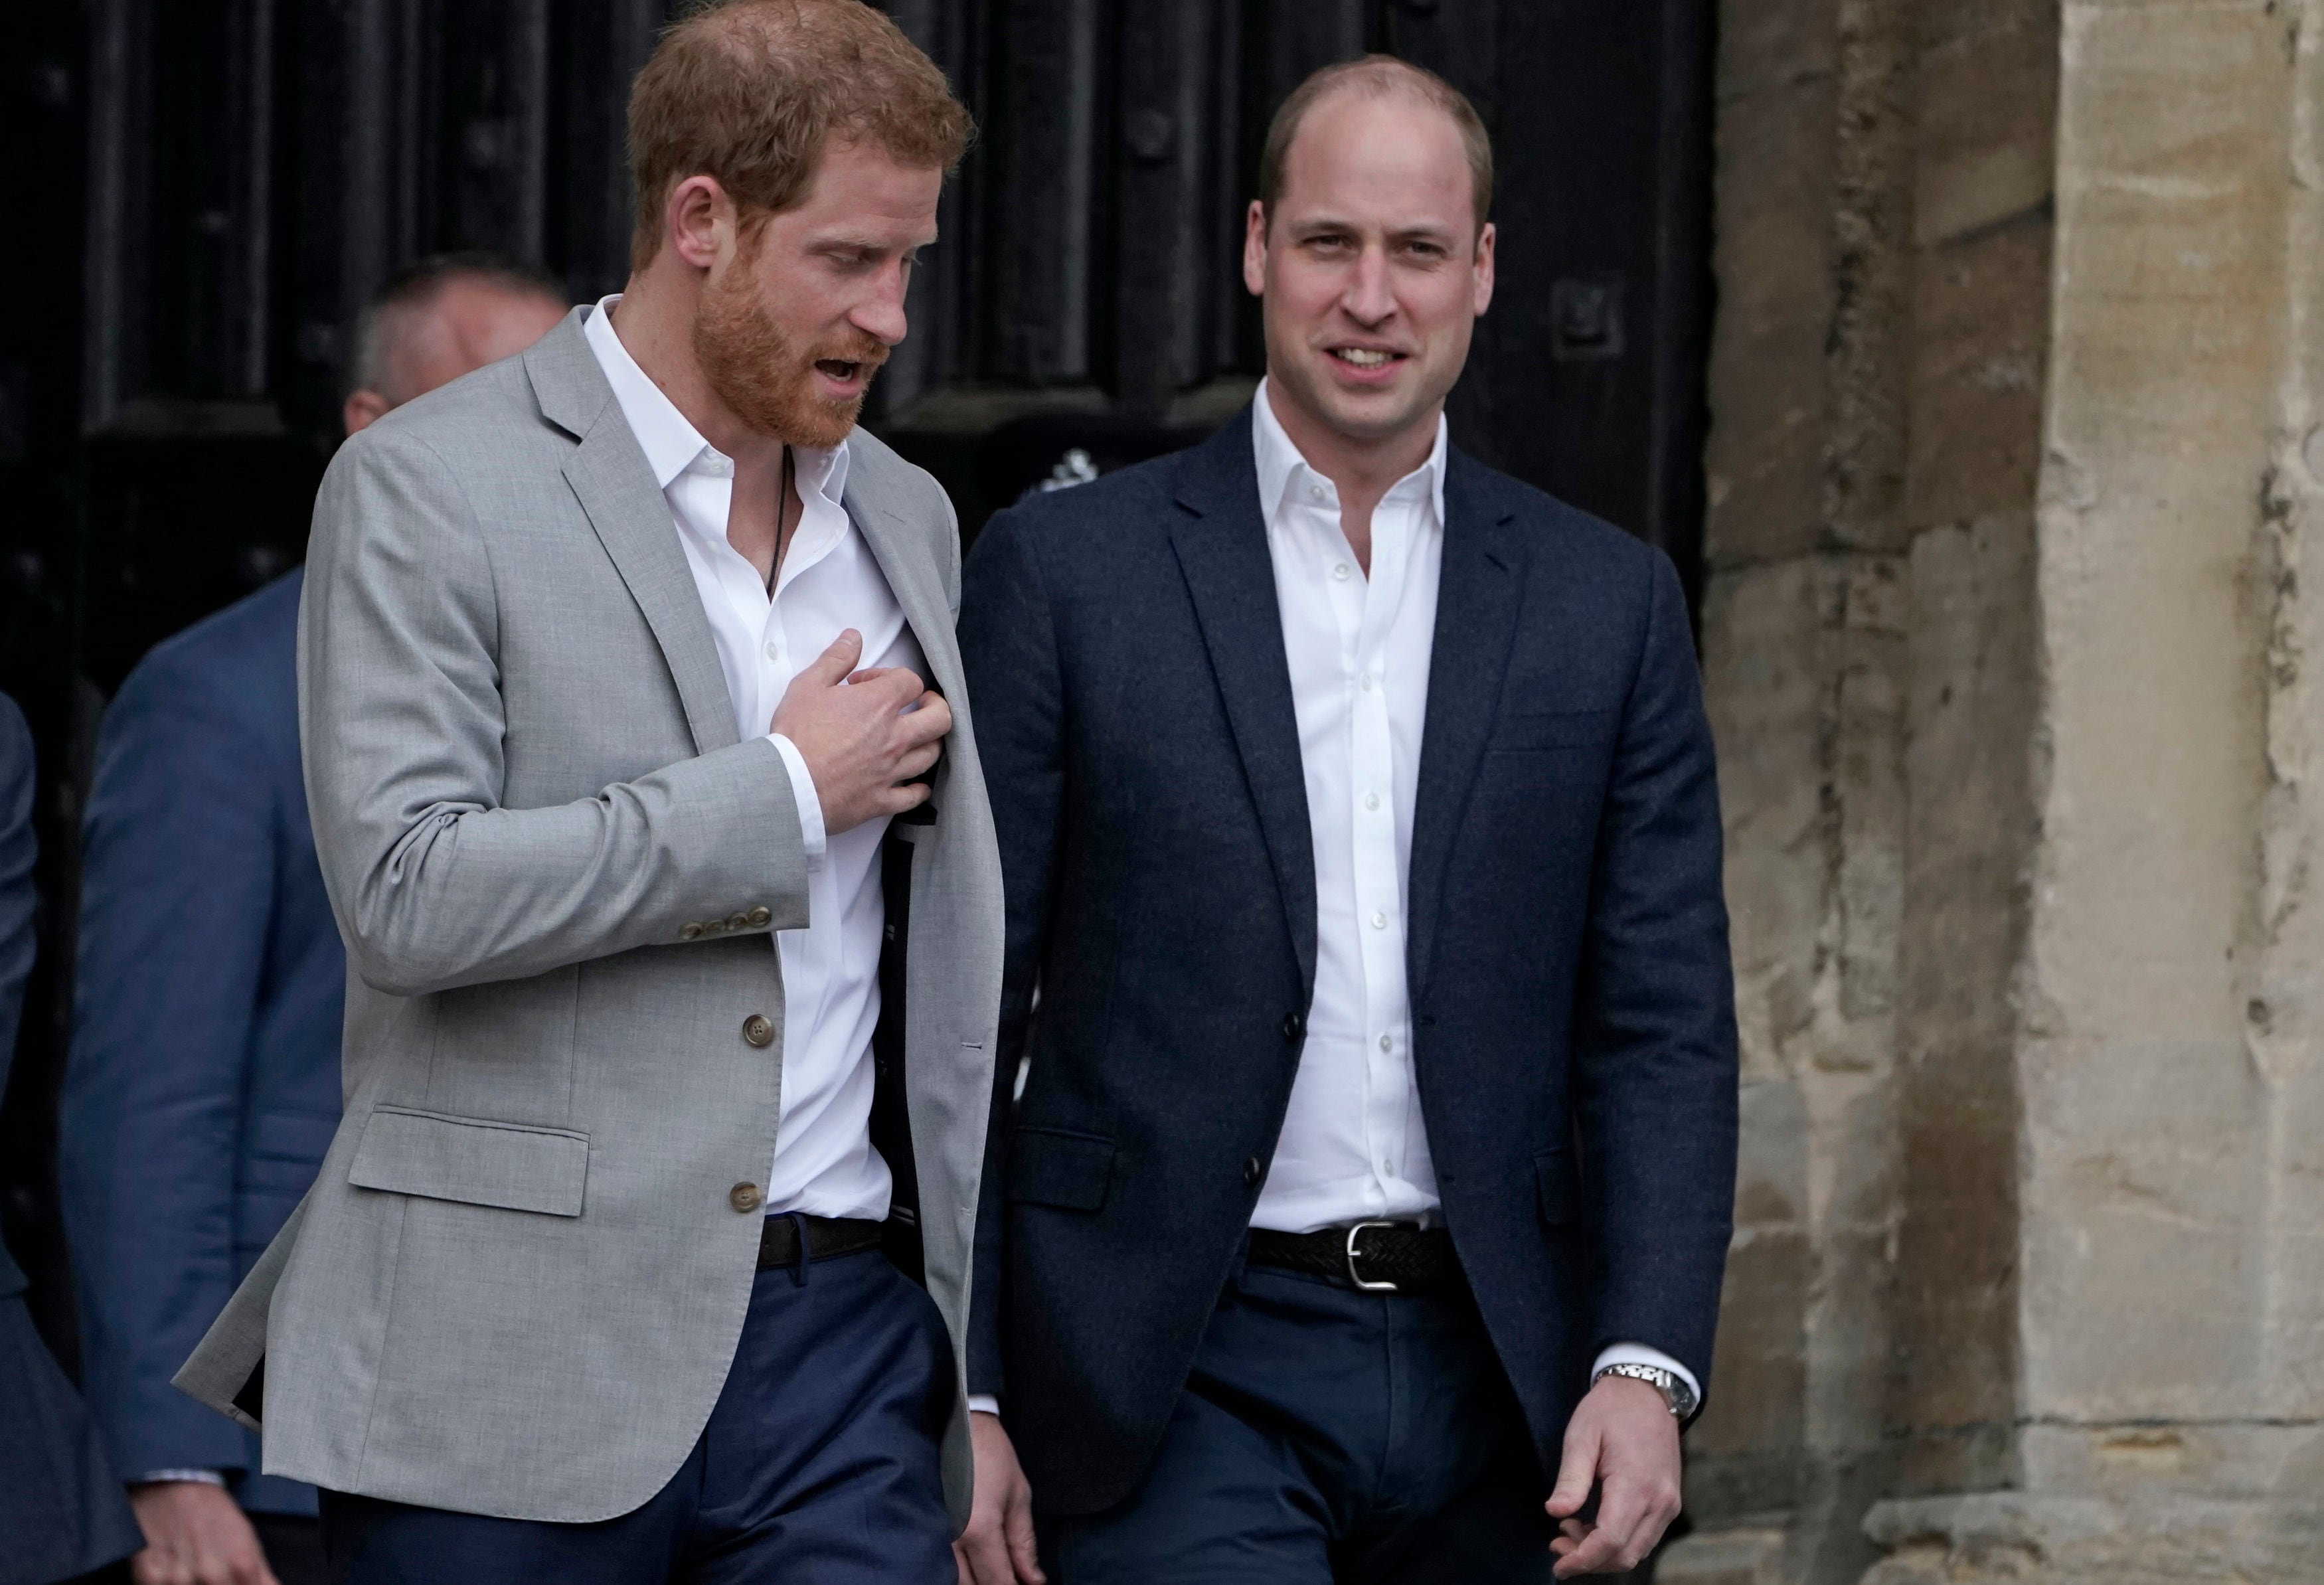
column 764, row 377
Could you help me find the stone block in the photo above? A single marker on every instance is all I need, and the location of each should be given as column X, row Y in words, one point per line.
column 1757, row 1387
column 1987, row 119
column 2143, row 1243
column 1988, row 1538
column 1766, row 44
column 1749, row 1556
column 1768, row 354
column 1981, row 324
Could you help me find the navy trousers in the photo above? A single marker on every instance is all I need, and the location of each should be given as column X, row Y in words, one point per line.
column 61, row 1509
column 819, row 1465
column 1328, row 1437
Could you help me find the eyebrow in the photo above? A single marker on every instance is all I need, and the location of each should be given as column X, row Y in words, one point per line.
column 1424, row 230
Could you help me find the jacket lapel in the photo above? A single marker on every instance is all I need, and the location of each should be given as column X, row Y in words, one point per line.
column 1478, row 597
column 1221, row 542
column 615, row 483
column 901, row 549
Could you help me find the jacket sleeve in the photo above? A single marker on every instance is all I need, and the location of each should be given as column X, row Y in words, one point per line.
column 1008, row 648
column 178, row 877
column 402, row 722
column 1654, row 1048
column 17, row 853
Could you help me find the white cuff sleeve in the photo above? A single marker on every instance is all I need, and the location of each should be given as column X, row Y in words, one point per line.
column 810, row 802
column 1640, row 1354
column 983, row 1404
column 200, row 1477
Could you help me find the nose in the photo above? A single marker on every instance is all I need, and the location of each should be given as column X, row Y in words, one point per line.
column 882, row 313
column 1370, row 298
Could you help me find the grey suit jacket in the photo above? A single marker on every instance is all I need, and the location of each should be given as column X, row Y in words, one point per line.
column 518, row 1283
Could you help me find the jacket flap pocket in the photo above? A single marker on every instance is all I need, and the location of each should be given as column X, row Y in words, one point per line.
column 1559, row 1186
column 472, row 1159
column 1048, row 1167
column 1555, row 729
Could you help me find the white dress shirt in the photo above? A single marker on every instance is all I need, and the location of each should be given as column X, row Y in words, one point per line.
column 1353, row 1146
column 824, row 1163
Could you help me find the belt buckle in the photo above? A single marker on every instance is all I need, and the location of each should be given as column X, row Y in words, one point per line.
column 1355, row 1277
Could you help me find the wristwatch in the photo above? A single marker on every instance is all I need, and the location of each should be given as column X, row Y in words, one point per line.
column 1675, row 1390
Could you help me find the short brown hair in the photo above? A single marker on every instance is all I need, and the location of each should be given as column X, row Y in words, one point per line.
column 1377, row 77
column 748, row 92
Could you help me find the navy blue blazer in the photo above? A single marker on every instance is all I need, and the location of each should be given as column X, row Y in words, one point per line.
column 203, row 1086
column 18, row 854
column 1571, row 993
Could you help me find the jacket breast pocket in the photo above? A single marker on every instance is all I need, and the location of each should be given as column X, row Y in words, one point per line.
column 1559, row 1187
column 1555, row 729
column 476, row 1161
column 1053, row 1167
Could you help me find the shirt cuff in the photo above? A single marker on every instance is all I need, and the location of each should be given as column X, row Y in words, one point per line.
column 980, row 1403
column 810, row 802
column 1640, row 1354
column 200, row 1477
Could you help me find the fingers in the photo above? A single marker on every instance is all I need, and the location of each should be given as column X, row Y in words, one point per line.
column 895, row 800
column 1577, row 1467
column 1017, row 1529
column 960, row 1560
column 918, row 762
column 928, row 722
column 985, row 1554
column 1631, row 1519
column 831, row 667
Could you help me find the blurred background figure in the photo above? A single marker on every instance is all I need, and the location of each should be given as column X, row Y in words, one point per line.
column 60, row 1508
column 203, row 1084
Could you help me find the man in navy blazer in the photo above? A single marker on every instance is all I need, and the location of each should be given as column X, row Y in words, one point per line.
column 60, row 1510
column 1368, row 1194
column 203, row 1086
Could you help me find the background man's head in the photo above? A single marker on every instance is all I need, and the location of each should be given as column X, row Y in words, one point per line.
column 788, row 155
column 1370, row 243
column 438, row 320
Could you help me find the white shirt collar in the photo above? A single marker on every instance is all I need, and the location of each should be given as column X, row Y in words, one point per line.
column 672, row 444
column 1281, row 466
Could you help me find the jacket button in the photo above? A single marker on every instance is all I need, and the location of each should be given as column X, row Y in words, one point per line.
column 739, row 922
column 745, row 1197
column 1253, row 1172
column 689, row 932
column 759, row 918
column 758, row 1031
column 1293, row 1025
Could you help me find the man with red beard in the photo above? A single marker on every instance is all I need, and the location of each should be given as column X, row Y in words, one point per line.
column 634, row 729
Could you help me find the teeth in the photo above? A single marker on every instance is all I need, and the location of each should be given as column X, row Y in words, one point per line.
column 1363, row 357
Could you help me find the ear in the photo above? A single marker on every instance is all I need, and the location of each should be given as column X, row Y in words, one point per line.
column 701, row 221
column 1484, row 270
column 362, row 409
column 1254, row 249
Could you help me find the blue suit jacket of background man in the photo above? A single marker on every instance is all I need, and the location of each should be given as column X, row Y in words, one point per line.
column 203, row 1086
column 1572, row 996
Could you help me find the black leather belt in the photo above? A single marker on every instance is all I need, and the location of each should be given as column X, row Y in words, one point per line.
column 828, row 1237
column 1374, row 1257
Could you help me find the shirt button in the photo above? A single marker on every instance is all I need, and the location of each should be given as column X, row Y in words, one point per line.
column 1371, row 800
column 1365, row 682
column 1386, row 1044
column 1315, row 492
column 774, row 651
column 1340, row 572
column 758, row 1031
column 745, row 1197
column 1379, row 920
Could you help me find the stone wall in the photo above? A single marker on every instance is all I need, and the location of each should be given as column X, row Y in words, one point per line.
column 2015, row 461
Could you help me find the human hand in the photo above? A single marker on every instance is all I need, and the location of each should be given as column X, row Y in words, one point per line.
column 859, row 735
column 194, row 1535
column 997, row 1548
column 1623, row 1439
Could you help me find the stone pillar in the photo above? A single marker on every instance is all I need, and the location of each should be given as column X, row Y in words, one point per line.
column 2016, row 396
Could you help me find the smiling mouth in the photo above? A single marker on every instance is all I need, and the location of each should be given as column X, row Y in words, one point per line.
column 1365, row 358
